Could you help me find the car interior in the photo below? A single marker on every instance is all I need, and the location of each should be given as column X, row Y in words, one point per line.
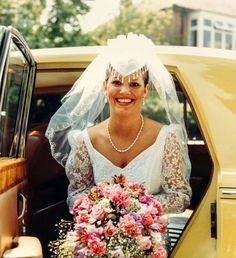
column 47, row 182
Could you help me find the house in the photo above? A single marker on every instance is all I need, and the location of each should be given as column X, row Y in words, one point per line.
column 203, row 23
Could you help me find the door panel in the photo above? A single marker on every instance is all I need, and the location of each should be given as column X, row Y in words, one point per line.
column 227, row 232
column 12, row 178
column 17, row 73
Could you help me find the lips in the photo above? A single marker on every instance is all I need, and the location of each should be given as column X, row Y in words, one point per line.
column 124, row 101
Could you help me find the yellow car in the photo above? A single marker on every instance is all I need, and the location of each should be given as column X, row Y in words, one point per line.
column 33, row 187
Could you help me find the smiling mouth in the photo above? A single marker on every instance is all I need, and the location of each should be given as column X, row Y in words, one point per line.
column 124, row 101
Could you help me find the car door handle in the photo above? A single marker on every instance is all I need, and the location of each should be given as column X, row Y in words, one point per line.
column 23, row 198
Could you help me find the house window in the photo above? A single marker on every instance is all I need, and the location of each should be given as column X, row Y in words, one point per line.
column 207, row 22
column 212, row 30
column 207, row 38
column 193, row 22
column 218, row 39
column 193, row 38
column 229, row 27
column 228, row 41
column 219, row 25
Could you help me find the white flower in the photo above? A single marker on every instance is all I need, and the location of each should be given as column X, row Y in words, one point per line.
column 156, row 237
column 117, row 253
column 105, row 203
column 134, row 205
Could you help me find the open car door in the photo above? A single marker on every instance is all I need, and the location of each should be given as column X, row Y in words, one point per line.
column 17, row 76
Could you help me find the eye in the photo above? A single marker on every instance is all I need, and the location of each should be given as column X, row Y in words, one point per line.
column 134, row 85
column 116, row 83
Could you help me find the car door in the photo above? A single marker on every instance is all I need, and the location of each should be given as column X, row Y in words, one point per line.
column 17, row 75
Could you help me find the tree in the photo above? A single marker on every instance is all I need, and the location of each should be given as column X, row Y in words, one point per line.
column 23, row 15
column 138, row 19
column 61, row 29
column 63, row 26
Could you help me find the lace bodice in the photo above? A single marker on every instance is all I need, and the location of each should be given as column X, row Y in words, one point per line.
column 161, row 167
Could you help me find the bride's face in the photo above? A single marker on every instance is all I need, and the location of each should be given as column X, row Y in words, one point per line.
column 125, row 95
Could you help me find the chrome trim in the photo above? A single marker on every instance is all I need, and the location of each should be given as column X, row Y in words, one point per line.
column 228, row 192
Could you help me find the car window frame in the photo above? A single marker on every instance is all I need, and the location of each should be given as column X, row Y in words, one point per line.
column 12, row 36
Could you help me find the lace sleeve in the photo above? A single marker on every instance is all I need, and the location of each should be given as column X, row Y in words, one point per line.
column 78, row 169
column 177, row 192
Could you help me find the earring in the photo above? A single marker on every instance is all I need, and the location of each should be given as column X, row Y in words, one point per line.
column 143, row 101
column 105, row 99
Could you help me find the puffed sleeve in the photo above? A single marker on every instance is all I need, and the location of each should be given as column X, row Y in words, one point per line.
column 78, row 168
column 176, row 191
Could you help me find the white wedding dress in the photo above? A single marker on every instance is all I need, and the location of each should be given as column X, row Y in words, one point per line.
column 162, row 169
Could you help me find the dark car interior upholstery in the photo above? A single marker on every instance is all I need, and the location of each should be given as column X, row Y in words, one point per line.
column 47, row 189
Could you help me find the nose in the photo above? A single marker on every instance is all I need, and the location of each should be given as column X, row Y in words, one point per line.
column 125, row 88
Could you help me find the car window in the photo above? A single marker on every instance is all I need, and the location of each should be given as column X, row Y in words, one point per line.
column 14, row 90
column 43, row 107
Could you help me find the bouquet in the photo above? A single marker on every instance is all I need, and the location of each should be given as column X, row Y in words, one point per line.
column 114, row 219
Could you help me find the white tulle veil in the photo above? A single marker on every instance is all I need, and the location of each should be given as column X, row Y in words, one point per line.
column 82, row 105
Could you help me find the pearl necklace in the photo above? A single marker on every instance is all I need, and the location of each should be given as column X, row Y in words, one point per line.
column 132, row 144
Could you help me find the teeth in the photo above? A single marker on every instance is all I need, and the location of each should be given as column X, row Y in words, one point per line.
column 124, row 100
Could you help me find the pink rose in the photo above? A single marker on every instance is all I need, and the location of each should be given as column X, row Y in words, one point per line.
column 159, row 252
column 109, row 229
column 82, row 203
column 147, row 219
column 101, row 186
column 127, row 225
column 98, row 212
column 96, row 246
column 109, row 190
column 144, row 242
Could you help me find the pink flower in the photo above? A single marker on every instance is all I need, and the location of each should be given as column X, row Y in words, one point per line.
column 160, row 225
column 158, row 206
column 82, row 217
column 159, row 252
column 147, row 219
column 136, row 188
column 102, row 184
column 82, row 203
column 96, row 246
column 109, row 190
column 146, row 199
column 127, row 225
column 84, row 236
column 144, row 242
column 98, row 212
column 89, row 232
column 109, row 229
column 121, row 198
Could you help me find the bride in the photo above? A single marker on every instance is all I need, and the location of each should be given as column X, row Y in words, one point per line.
column 143, row 150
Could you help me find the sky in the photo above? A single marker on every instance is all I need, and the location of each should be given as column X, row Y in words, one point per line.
column 100, row 12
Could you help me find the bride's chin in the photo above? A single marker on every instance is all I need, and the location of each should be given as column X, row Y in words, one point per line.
column 123, row 112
